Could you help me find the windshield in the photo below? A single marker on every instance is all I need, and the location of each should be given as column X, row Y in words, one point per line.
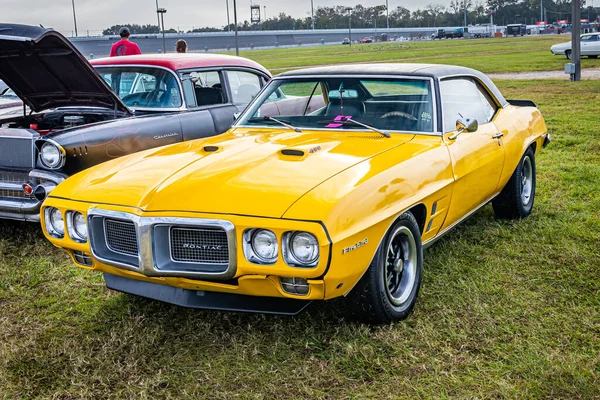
column 326, row 103
column 143, row 87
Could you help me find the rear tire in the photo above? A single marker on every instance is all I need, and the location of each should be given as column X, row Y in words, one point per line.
column 515, row 201
column 568, row 54
column 388, row 290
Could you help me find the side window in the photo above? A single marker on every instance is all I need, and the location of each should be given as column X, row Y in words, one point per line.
column 207, row 88
column 462, row 96
column 244, row 86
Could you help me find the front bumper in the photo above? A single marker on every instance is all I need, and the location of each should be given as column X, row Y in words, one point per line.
column 15, row 203
column 205, row 299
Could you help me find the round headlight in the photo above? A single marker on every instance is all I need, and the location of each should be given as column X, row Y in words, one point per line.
column 55, row 222
column 77, row 226
column 304, row 247
column 264, row 245
column 50, row 155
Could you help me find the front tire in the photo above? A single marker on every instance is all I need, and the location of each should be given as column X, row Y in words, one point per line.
column 388, row 291
column 515, row 201
column 568, row 54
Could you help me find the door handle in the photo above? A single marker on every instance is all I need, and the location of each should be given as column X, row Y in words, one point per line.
column 497, row 135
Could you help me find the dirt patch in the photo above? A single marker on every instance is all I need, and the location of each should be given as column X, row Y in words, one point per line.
column 586, row 74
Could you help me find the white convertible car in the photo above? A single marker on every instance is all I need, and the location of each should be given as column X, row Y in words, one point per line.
column 590, row 46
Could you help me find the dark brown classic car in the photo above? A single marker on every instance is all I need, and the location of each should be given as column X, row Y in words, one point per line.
column 77, row 114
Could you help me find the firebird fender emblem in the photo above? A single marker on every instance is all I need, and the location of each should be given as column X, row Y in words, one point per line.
column 166, row 135
column 356, row 246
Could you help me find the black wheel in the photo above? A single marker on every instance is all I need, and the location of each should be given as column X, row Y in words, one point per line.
column 568, row 54
column 388, row 290
column 516, row 199
column 593, row 56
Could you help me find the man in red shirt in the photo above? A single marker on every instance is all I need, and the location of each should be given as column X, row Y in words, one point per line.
column 124, row 47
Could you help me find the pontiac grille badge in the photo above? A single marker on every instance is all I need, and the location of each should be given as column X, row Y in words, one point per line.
column 192, row 246
column 356, row 246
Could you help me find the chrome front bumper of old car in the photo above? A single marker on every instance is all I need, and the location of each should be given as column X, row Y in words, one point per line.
column 23, row 192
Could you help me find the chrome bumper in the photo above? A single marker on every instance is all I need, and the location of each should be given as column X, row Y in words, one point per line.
column 25, row 208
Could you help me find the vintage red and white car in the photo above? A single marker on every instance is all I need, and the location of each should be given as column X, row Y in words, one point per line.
column 79, row 113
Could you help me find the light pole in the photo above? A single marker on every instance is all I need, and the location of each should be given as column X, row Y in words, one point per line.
column 541, row 10
column 161, row 12
column 387, row 17
column 265, row 12
column 465, row 9
column 237, row 47
column 349, row 9
column 228, row 23
column 74, row 17
column 312, row 14
column 157, row 17
column 575, row 40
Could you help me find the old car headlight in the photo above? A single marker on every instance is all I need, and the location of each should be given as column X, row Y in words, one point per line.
column 300, row 249
column 55, row 223
column 260, row 246
column 51, row 155
column 77, row 226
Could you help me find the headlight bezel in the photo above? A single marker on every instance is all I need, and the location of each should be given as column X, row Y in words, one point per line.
column 74, row 233
column 290, row 256
column 250, row 252
column 51, row 228
column 48, row 143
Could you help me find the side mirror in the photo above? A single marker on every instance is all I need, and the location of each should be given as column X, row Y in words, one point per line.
column 464, row 124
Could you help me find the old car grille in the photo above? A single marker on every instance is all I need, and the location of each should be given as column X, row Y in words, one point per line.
column 16, row 151
column 121, row 237
column 16, row 177
column 199, row 245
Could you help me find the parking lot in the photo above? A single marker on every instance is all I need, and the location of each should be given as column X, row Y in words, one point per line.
column 507, row 308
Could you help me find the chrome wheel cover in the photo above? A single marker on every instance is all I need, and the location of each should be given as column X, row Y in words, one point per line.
column 526, row 181
column 400, row 269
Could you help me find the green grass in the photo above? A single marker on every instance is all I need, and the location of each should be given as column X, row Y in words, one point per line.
column 487, row 55
column 507, row 309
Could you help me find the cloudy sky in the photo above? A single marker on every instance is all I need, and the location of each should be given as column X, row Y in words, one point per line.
column 95, row 15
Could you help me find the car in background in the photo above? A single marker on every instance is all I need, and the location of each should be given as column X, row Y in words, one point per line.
column 333, row 198
column 589, row 46
column 9, row 99
column 366, row 39
column 438, row 34
column 346, row 41
column 78, row 115
column 516, row 30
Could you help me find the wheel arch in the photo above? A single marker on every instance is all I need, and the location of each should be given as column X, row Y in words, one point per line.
column 418, row 211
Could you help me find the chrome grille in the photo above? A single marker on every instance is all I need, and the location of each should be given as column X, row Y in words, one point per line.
column 199, row 245
column 16, row 149
column 121, row 236
column 16, row 177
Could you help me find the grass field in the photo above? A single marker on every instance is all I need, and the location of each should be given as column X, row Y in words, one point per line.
column 488, row 55
column 507, row 309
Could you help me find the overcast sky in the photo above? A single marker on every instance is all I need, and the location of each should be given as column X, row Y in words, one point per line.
column 95, row 15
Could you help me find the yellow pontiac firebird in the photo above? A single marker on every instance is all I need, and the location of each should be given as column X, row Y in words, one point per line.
column 329, row 184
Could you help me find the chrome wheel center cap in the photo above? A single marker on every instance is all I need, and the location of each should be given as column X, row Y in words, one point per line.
column 398, row 265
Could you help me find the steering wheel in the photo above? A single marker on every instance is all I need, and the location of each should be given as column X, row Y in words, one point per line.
column 399, row 114
column 153, row 97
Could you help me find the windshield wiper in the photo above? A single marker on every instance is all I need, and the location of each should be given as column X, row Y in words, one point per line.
column 344, row 120
column 279, row 121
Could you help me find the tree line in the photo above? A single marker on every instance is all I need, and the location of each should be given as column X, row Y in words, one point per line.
column 338, row 17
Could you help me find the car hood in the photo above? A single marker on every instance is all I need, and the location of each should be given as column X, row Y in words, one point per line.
column 247, row 172
column 47, row 71
column 565, row 45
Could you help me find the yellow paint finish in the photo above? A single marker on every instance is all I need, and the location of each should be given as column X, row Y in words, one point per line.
column 347, row 188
